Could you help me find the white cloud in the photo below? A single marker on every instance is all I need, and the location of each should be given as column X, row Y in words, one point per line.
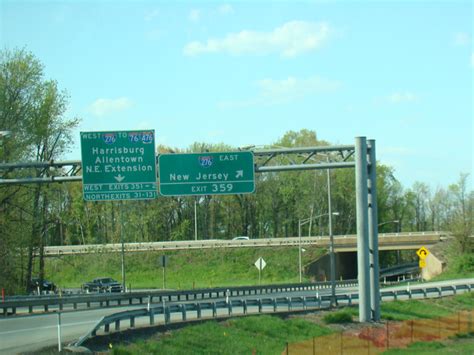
column 194, row 15
column 104, row 107
column 293, row 87
column 225, row 9
column 151, row 15
column 289, row 40
column 401, row 97
column 462, row 39
column 273, row 92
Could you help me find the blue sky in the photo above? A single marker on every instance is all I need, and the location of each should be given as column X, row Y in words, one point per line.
column 243, row 73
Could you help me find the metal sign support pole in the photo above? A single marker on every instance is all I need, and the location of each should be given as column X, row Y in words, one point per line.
column 373, row 236
column 195, row 219
column 362, row 228
column 123, row 247
column 260, row 273
column 164, row 277
column 299, row 251
column 332, row 256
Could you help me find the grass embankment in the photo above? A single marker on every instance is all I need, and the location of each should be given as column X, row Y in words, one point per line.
column 198, row 268
column 459, row 266
column 421, row 309
column 459, row 345
column 269, row 334
column 261, row 334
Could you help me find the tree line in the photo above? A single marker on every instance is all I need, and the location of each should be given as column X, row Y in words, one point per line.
column 32, row 216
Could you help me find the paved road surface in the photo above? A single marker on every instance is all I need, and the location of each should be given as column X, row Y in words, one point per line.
column 32, row 332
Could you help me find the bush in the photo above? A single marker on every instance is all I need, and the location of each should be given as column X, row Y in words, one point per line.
column 338, row 317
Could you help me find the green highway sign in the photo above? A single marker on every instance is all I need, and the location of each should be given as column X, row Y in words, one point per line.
column 118, row 165
column 206, row 173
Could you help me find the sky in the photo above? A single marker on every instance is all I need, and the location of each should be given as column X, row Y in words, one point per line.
column 244, row 73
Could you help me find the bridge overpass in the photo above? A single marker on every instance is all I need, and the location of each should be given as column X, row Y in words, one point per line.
column 342, row 243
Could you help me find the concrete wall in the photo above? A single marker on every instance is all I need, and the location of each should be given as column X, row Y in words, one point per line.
column 433, row 267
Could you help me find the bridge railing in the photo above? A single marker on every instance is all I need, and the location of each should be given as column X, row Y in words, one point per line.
column 219, row 243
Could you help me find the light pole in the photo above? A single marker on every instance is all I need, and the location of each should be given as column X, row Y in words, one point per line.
column 302, row 222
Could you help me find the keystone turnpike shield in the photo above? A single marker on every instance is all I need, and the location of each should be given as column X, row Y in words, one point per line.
column 118, row 165
column 206, row 173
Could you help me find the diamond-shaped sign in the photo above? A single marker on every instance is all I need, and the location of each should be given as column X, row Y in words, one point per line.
column 422, row 252
column 260, row 264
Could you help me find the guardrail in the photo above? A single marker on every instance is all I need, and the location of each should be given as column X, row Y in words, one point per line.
column 117, row 299
column 260, row 305
column 323, row 241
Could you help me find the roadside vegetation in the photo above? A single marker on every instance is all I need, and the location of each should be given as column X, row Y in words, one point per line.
column 186, row 269
column 462, row 344
column 418, row 309
column 269, row 334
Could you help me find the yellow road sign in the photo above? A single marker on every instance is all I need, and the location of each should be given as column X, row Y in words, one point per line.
column 422, row 263
column 422, row 253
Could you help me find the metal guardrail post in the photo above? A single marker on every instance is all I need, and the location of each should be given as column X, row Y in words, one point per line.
column 245, row 306
column 198, row 310
column 183, row 312
column 167, row 314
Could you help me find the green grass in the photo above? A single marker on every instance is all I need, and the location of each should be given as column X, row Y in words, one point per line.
column 198, row 268
column 338, row 317
column 260, row 334
column 418, row 309
column 413, row 309
column 459, row 345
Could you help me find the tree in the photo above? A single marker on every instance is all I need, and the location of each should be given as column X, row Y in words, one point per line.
column 463, row 213
column 32, row 109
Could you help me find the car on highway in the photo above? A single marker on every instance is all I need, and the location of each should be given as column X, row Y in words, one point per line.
column 242, row 237
column 37, row 286
column 102, row 284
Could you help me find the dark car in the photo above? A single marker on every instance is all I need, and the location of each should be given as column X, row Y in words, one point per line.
column 102, row 284
column 38, row 287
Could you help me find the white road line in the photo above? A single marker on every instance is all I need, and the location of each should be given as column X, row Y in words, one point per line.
column 46, row 327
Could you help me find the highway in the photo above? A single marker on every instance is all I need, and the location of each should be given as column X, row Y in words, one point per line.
column 33, row 332
column 387, row 241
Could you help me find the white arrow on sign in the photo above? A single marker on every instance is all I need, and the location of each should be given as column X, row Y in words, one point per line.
column 240, row 173
column 260, row 264
column 119, row 178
